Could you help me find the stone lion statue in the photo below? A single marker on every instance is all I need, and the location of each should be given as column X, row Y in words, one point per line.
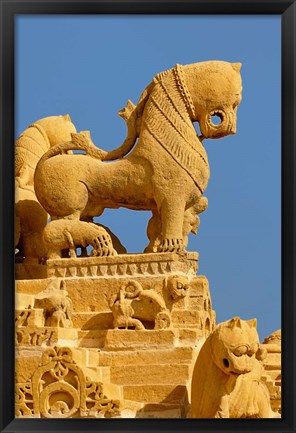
column 226, row 381
column 36, row 140
column 161, row 166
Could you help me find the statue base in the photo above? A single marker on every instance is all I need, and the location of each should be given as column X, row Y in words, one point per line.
column 128, row 338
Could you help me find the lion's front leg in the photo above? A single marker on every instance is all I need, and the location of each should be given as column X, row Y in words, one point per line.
column 172, row 215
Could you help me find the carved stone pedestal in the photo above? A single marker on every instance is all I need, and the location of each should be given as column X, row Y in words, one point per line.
column 110, row 337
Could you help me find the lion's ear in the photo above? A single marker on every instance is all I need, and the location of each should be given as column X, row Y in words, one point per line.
column 67, row 117
column 252, row 323
column 235, row 322
column 236, row 66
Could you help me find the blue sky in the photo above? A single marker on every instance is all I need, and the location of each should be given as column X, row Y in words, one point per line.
column 89, row 66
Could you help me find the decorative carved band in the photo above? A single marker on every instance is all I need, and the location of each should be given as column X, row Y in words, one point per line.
column 123, row 265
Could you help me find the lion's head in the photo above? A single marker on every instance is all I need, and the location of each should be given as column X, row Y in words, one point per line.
column 216, row 91
column 234, row 345
column 58, row 128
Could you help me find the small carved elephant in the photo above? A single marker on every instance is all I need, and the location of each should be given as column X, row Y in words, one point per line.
column 64, row 234
column 57, row 306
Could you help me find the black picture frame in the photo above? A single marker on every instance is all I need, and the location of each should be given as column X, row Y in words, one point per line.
column 9, row 9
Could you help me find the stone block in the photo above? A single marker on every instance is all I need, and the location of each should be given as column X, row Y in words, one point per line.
column 31, row 287
column 89, row 295
column 172, row 394
column 272, row 361
column 160, row 411
column 186, row 318
column 92, row 339
column 93, row 357
column 122, row 339
column 199, row 286
column 23, row 301
column 92, row 321
column 27, row 361
column 273, row 374
column 67, row 337
column 165, row 374
column 189, row 337
column 178, row 355
column 196, row 302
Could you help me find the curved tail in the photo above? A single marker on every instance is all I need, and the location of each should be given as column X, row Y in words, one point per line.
column 82, row 140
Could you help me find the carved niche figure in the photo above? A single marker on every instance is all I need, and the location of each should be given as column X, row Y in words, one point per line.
column 56, row 304
column 31, row 217
column 226, row 381
column 134, row 305
column 167, row 170
column 65, row 234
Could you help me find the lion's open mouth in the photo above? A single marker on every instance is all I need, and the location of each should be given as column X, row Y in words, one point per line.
column 216, row 117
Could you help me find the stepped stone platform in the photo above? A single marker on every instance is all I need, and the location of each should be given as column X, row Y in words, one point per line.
column 141, row 361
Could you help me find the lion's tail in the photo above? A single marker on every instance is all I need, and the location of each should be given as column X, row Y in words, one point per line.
column 82, row 140
column 130, row 116
column 79, row 141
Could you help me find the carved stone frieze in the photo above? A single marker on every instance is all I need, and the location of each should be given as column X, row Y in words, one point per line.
column 36, row 336
column 133, row 305
column 124, row 265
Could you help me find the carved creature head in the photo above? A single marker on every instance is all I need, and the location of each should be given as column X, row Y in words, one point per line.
column 58, row 128
column 178, row 286
column 191, row 219
column 234, row 345
column 216, row 91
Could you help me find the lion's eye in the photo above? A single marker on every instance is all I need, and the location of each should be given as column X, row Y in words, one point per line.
column 253, row 349
column 240, row 350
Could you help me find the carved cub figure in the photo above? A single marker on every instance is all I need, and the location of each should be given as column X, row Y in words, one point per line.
column 70, row 234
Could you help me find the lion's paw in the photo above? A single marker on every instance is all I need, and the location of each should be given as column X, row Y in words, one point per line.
column 103, row 247
column 171, row 246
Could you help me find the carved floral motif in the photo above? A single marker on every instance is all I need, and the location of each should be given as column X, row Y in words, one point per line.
column 59, row 389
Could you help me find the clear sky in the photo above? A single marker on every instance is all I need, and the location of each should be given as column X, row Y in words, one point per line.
column 88, row 66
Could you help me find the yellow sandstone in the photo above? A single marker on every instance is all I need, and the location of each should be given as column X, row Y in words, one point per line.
column 104, row 333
